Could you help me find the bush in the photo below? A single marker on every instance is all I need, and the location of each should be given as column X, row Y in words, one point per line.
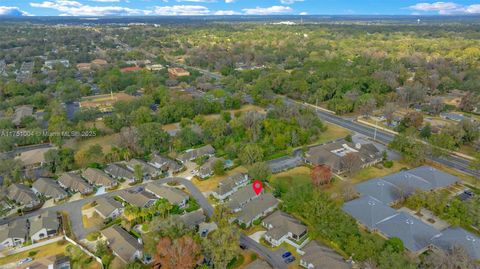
column 388, row 164
column 243, row 226
column 32, row 253
column 257, row 222
column 93, row 236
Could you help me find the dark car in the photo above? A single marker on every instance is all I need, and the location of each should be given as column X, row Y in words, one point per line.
column 204, row 233
column 286, row 254
column 289, row 259
column 243, row 246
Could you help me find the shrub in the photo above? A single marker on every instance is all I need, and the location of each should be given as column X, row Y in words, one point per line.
column 257, row 222
column 388, row 164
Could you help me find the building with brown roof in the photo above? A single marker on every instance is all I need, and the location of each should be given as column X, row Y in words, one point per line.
column 192, row 154
column 138, row 198
column 336, row 155
column 75, row 183
column 108, row 208
column 104, row 102
column 317, row 256
column 49, row 188
column 97, row 177
column 175, row 72
column 22, row 195
column 123, row 245
column 230, row 185
column 257, row 208
column 282, row 227
column 173, row 195
column 131, row 69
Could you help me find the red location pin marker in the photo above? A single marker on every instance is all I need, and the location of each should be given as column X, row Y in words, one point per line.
column 257, row 186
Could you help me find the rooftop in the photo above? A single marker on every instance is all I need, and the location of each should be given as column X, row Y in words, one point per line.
column 368, row 211
column 414, row 233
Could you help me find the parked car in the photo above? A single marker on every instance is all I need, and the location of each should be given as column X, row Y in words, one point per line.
column 243, row 246
column 204, row 233
column 22, row 261
column 286, row 254
column 289, row 259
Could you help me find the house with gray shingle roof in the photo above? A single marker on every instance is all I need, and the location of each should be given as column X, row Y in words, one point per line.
column 368, row 211
column 138, row 198
column 257, row 208
column 451, row 237
column 148, row 170
column 380, row 189
column 22, row 195
column 20, row 113
column 44, row 225
column 123, row 245
column 75, row 183
column 13, row 234
column 119, row 171
column 49, row 188
column 193, row 154
column 165, row 164
column 240, row 198
column 193, row 219
column 415, row 234
column 173, row 195
column 97, row 177
column 206, row 169
column 316, row 256
column 282, row 227
column 334, row 154
column 391, row 188
column 108, row 208
column 230, row 185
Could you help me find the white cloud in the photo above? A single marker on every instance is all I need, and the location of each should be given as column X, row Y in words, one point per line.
column 198, row 1
column 226, row 13
column 303, row 13
column 12, row 11
column 229, row 1
column 446, row 8
column 106, row 1
column 289, row 2
column 267, row 10
column 74, row 8
column 437, row 6
column 181, row 10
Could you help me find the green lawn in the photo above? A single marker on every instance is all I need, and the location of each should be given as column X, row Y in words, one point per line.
column 333, row 132
column 40, row 252
column 297, row 176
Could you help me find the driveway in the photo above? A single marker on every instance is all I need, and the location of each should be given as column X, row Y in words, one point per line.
column 74, row 210
column 257, row 236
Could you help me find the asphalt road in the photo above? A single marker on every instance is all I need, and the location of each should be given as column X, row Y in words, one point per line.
column 385, row 138
column 380, row 136
column 74, row 210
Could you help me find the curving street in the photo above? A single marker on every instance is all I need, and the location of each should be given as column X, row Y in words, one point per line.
column 74, row 210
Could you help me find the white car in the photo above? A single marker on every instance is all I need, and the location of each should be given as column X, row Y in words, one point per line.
column 22, row 261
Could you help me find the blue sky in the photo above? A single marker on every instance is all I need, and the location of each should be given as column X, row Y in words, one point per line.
column 232, row 7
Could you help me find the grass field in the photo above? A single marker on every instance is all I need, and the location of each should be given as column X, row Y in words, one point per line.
column 333, row 132
column 106, row 142
column 40, row 252
column 297, row 176
column 211, row 183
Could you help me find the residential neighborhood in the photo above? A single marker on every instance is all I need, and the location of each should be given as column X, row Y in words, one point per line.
column 239, row 135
